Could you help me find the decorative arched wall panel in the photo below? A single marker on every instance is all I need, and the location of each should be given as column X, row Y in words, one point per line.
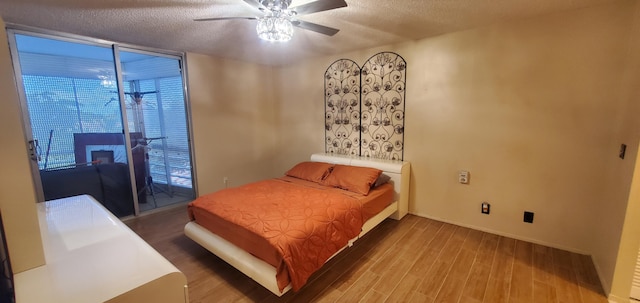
column 364, row 107
column 342, row 108
column 382, row 109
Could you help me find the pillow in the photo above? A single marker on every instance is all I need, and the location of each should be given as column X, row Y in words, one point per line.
column 352, row 178
column 310, row 171
column 381, row 180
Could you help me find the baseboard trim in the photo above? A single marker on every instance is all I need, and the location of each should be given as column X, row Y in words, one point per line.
column 616, row 299
column 499, row 233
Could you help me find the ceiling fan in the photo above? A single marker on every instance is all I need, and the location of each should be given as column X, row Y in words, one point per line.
column 278, row 19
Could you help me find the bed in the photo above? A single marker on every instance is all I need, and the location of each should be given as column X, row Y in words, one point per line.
column 227, row 222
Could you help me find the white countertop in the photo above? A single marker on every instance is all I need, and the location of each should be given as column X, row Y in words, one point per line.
column 91, row 256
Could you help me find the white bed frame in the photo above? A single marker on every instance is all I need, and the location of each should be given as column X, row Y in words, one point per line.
column 263, row 272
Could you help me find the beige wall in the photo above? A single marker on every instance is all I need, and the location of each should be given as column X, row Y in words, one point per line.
column 535, row 109
column 625, row 260
column 17, row 197
column 628, row 253
column 233, row 116
column 301, row 127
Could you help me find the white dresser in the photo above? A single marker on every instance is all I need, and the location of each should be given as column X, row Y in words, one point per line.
column 91, row 256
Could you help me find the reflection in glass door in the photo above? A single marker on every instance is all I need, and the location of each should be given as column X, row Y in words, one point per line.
column 75, row 120
column 75, row 97
column 155, row 109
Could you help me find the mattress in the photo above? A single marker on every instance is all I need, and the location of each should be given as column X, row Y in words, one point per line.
column 292, row 224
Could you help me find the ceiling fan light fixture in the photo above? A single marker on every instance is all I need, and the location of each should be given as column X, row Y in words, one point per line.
column 275, row 5
column 274, row 28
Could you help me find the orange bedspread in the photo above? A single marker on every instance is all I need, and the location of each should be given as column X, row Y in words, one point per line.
column 299, row 226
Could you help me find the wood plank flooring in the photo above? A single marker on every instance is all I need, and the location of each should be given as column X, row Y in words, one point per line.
column 412, row 260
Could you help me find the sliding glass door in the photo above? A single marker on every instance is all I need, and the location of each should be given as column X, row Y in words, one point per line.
column 76, row 96
column 156, row 111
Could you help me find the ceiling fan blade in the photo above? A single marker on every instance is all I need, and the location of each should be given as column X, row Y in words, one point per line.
column 318, row 6
column 225, row 18
column 325, row 30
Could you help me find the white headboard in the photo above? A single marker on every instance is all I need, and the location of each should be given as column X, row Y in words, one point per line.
column 399, row 172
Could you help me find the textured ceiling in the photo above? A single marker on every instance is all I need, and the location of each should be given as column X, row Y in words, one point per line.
column 168, row 24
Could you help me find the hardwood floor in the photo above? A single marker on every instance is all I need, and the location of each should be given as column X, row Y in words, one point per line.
column 412, row 260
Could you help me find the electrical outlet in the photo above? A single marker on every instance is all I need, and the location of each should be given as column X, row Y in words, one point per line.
column 486, row 208
column 225, row 181
column 463, row 177
column 528, row 217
